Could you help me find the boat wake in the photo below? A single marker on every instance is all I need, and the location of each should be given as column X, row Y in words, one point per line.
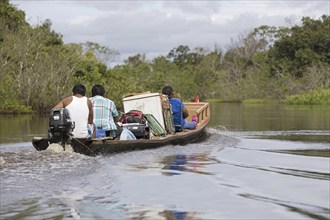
column 58, row 148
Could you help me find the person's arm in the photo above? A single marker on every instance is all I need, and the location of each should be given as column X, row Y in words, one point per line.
column 64, row 103
column 91, row 117
column 90, row 108
column 185, row 112
column 115, row 113
column 116, row 119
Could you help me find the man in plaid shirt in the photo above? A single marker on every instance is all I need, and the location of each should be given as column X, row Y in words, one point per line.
column 105, row 111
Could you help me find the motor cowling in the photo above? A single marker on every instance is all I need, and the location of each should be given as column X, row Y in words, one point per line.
column 60, row 125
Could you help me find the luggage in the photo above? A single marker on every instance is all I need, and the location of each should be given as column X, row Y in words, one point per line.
column 133, row 116
column 140, row 131
column 135, row 122
column 155, row 127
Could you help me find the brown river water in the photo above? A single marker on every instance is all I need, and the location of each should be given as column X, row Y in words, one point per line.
column 257, row 162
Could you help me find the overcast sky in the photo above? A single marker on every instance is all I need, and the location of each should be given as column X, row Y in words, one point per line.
column 156, row 27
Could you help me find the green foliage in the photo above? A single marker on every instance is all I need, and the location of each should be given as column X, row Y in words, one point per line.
column 207, row 74
column 269, row 35
column 10, row 103
column 38, row 69
column 182, row 56
column 14, row 106
column 11, row 18
column 90, row 69
column 259, row 101
column 301, row 47
column 320, row 97
column 104, row 54
column 48, row 36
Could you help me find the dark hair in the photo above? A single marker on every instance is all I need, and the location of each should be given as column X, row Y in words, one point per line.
column 168, row 90
column 79, row 89
column 98, row 90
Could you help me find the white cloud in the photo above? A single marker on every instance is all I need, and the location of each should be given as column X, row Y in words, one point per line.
column 83, row 20
column 156, row 27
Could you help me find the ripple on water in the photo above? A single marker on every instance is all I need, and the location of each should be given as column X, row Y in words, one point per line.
column 212, row 179
column 316, row 136
column 27, row 173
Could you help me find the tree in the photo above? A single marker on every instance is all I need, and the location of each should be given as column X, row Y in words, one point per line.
column 207, row 74
column 302, row 47
column 136, row 60
column 104, row 54
column 239, row 56
column 11, row 18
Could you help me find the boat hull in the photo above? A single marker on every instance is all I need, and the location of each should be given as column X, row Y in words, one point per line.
column 105, row 146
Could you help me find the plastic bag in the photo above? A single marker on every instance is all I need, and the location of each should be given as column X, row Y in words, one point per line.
column 127, row 135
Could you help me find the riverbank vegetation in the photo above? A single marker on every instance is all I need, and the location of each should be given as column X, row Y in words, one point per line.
column 276, row 63
column 321, row 96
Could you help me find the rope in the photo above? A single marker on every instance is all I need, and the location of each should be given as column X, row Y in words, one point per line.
column 84, row 146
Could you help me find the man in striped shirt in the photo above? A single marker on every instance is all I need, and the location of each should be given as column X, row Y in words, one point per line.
column 105, row 111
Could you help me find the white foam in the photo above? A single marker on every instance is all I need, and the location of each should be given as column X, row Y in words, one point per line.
column 58, row 148
column 2, row 161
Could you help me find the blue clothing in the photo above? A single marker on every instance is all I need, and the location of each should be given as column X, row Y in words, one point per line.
column 177, row 107
column 190, row 125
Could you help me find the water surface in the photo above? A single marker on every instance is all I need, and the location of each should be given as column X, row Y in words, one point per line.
column 258, row 162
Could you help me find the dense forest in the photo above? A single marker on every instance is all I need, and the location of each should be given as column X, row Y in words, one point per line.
column 269, row 63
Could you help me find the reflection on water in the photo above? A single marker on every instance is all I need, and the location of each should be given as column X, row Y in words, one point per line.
column 22, row 128
column 310, row 152
column 176, row 164
column 206, row 180
column 178, row 215
column 258, row 117
column 33, row 209
column 305, row 210
column 301, row 135
column 256, row 163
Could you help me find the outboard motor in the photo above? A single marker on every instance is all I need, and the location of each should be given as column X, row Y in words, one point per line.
column 60, row 126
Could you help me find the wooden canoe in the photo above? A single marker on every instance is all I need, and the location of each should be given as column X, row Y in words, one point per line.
column 104, row 146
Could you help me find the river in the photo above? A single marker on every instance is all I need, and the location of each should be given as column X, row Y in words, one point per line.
column 258, row 162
